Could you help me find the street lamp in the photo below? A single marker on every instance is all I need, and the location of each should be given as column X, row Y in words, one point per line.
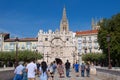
column 36, row 54
column 80, row 60
column 16, row 56
column 73, row 54
column 47, row 56
column 43, row 52
column 108, row 40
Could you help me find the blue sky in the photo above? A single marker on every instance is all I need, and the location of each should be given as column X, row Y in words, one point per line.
column 24, row 18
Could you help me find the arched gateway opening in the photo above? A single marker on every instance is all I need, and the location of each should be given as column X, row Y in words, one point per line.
column 58, row 60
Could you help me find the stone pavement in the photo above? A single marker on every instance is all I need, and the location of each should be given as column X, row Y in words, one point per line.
column 8, row 73
column 73, row 77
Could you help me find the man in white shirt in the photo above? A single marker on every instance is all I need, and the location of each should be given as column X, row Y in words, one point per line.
column 18, row 71
column 31, row 70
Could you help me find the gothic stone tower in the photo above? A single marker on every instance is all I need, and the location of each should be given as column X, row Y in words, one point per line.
column 64, row 27
column 58, row 44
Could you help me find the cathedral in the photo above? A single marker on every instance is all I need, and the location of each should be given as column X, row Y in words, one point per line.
column 59, row 44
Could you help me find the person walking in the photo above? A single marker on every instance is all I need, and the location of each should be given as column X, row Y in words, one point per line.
column 24, row 72
column 31, row 70
column 50, row 69
column 67, row 67
column 54, row 67
column 87, row 70
column 43, row 71
column 38, row 66
column 76, row 67
column 60, row 69
column 82, row 70
column 18, row 72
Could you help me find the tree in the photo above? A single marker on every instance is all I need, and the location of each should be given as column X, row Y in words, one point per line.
column 96, row 58
column 110, row 26
column 26, row 55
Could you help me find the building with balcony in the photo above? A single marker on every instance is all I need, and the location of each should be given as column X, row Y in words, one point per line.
column 23, row 44
column 87, row 42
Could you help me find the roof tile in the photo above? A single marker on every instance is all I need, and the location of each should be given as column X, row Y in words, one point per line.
column 86, row 32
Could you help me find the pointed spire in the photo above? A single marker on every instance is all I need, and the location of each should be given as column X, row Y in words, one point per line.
column 64, row 26
column 93, row 23
column 64, row 18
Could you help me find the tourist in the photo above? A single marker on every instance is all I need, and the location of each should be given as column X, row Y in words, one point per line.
column 24, row 72
column 43, row 71
column 54, row 67
column 67, row 67
column 31, row 70
column 50, row 68
column 76, row 67
column 60, row 69
column 38, row 66
column 87, row 69
column 18, row 71
column 82, row 70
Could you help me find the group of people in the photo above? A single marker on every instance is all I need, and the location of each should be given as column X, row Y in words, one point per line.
column 29, row 70
column 25, row 71
column 83, row 68
column 77, row 67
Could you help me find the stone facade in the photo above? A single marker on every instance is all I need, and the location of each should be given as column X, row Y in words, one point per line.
column 58, row 44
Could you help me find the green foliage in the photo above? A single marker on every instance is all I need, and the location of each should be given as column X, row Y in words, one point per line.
column 110, row 26
column 93, row 57
column 7, row 56
column 22, row 56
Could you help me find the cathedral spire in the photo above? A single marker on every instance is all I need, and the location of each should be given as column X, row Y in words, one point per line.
column 64, row 14
column 93, row 24
column 64, row 27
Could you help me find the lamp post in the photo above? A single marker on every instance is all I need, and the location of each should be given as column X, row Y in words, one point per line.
column 16, row 56
column 47, row 56
column 73, row 54
column 43, row 52
column 36, row 55
column 79, row 57
column 108, row 40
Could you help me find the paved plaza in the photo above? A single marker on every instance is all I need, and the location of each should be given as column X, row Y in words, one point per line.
column 8, row 73
column 73, row 77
